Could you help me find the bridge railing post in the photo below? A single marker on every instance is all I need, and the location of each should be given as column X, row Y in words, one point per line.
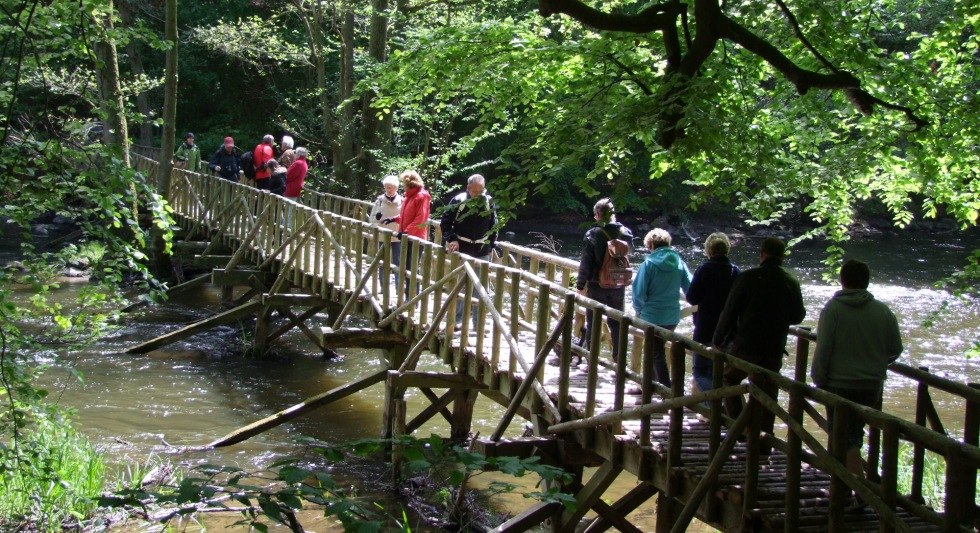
column 839, row 491
column 918, row 451
column 595, row 352
column 889, row 469
column 499, row 290
column 971, row 435
column 794, row 457
column 646, row 385
column 482, row 309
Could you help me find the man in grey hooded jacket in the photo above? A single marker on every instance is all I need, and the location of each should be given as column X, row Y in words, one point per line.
column 857, row 338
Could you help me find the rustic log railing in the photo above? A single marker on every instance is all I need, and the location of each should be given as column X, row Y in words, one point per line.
column 525, row 308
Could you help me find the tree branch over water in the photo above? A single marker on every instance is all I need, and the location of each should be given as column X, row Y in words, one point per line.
column 712, row 25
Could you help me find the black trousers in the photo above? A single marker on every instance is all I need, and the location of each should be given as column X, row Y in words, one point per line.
column 734, row 376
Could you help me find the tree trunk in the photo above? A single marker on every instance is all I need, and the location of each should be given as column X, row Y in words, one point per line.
column 345, row 149
column 161, row 260
column 115, row 130
column 375, row 129
column 136, row 65
column 313, row 23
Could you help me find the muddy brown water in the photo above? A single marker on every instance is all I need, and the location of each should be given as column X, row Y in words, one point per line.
column 197, row 390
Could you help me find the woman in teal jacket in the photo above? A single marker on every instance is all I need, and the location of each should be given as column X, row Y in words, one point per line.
column 657, row 291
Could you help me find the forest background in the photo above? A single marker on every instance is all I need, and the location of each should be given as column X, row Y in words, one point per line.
column 815, row 113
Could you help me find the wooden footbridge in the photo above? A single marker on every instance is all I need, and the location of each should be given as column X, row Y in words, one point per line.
column 323, row 257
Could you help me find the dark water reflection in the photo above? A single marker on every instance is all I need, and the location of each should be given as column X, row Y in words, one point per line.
column 196, row 391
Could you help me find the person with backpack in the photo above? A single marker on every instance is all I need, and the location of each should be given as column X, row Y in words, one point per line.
column 225, row 161
column 595, row 252
column 260, row 158
column 657, row 291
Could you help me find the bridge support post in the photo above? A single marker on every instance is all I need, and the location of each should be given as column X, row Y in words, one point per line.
column 261, row 341
column 463, row 414
column 668, row 511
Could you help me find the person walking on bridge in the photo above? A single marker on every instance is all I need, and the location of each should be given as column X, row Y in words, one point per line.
column 260, row 157
column 469, row 226
column 593, row 252
column 857, row 338
column 386, row 207
column 755, row 322
column 709, row 290
column 225, row 161
column 657, row 290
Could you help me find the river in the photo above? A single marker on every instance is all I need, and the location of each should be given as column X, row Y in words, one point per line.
column 195, row 391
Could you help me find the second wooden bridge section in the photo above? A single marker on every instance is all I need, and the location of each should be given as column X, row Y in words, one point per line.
column 322, row 257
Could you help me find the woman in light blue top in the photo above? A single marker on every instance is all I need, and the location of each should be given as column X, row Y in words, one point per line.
column 657, row 292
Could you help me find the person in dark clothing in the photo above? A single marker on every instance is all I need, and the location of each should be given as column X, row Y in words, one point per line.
column 754, row 324
column 225, row 161
column 469, row 221
column 593, row 252
column 277, row 177
column 469, row 226
column 857, row 338
column 709, row 290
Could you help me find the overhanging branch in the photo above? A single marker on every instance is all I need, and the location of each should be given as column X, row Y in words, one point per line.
column 653, row 18
column 713, row 25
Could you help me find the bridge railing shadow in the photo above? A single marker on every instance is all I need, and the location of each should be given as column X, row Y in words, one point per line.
column 525, row 308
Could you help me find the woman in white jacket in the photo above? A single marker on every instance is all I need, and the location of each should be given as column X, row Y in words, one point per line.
column 387, row 205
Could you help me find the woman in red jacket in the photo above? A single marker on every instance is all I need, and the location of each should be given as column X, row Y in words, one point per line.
column 413, row 218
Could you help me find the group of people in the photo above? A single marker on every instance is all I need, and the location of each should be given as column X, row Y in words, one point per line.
column 468, row 222
column 747, row 314
column 279, row 169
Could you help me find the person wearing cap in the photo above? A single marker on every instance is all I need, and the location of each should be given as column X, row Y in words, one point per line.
column 260, row 158
column 188, row 155
column 225, row 161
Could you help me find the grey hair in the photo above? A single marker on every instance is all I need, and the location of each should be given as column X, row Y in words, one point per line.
column 287, row 141
column 268, row 139
column 656, row 238
column 717, row 245
column 390, row 179
column 476, row 178
column 302, row 152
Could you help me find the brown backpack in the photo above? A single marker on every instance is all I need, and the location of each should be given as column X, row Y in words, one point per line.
column 616, row 271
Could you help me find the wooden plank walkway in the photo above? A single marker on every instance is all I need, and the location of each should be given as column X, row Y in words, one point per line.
column 527, row 312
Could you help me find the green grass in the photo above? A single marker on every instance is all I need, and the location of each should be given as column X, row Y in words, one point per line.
column 933, row 477
column 55, row 475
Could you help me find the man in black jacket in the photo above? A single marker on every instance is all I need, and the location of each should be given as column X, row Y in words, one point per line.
column 225, row 161
column 754, row 324
column 593, row 252
column 469, row 226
